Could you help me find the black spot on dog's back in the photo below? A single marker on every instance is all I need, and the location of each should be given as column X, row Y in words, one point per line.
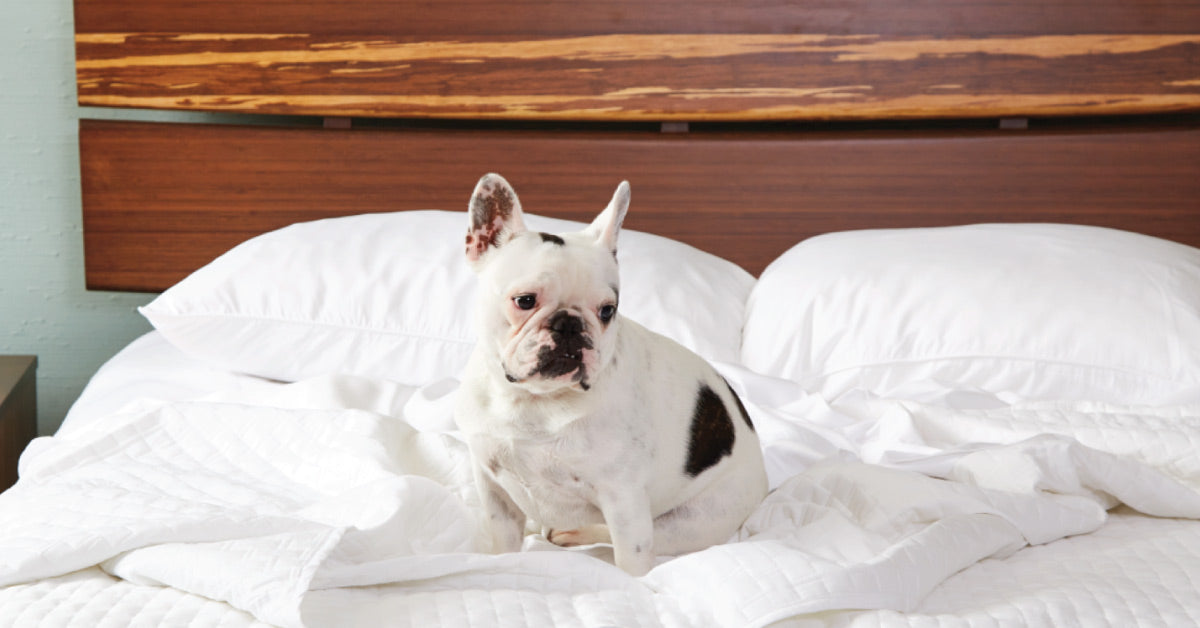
column 552, row 239
column 711, row 435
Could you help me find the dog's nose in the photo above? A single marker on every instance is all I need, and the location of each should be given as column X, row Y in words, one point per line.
column 565, row 324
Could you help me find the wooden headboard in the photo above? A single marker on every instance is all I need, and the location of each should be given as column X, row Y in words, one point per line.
column 743, row 126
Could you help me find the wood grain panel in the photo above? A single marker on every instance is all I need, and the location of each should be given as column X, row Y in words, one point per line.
column 644, row 77
column 161, row 199
column 964, row 18
column 18, row 412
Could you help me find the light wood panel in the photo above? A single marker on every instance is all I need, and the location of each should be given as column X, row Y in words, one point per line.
column 160, row 200
column 689, row 77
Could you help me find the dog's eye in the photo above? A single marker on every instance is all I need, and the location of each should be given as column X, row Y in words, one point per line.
column 525, row 301
column 607, row 312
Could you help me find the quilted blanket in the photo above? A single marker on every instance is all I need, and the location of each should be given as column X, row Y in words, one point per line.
column 342, row 502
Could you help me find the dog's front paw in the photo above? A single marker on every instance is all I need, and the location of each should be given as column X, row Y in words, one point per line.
column 587, row 535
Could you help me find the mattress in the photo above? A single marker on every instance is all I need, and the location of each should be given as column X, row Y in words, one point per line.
column 1032, row 463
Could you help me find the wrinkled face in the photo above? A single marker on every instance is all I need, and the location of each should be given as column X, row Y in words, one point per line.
column 549, row 303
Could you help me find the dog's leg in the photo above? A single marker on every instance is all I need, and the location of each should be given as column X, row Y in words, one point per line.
column 632, row 529
column 505, row 520
column 709, row 518
column 686, row 530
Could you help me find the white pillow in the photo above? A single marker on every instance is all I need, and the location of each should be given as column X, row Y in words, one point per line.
column 391, row 296
column 1029, row 311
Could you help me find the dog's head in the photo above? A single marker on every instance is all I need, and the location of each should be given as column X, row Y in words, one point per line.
column 548, row 302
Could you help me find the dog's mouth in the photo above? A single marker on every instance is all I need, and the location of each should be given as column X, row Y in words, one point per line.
column 564, row 355
column 553, row 364
column 579, row 379
column 565, row 359
column 566, row 365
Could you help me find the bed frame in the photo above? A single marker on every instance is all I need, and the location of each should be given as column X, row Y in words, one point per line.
column 743, row 127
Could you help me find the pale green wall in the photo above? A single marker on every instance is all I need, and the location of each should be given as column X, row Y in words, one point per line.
column 44, row 308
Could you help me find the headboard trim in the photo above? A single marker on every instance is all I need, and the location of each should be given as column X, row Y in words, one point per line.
column 660, row 77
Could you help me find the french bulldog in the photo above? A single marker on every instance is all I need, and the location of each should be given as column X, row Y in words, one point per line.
column 581, row 421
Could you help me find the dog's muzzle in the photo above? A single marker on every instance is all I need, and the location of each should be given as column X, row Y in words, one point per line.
column 566, row 353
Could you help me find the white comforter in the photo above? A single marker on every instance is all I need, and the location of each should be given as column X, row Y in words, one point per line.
column 342, row 502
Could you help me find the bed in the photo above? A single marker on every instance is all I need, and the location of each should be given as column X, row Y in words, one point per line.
column 945, row 252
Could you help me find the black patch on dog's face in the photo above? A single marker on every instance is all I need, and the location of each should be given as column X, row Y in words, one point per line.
column 566, row 356
column 741, row 408
column 551, row 238
column 711, row 435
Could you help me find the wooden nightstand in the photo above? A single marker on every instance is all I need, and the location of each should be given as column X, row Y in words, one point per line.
column 18, row 412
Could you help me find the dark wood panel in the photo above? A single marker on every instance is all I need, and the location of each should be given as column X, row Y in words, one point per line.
column 966, row 18
column 18, row 412
column 645, row 77
column 159, row 199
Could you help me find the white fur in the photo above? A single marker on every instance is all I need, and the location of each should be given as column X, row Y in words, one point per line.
column 597, row 454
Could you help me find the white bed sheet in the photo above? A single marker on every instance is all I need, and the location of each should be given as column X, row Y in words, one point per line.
column 1134, row 571
column 150, row 367
column 1019, row 537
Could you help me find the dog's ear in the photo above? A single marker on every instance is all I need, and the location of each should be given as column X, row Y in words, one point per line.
column 607, row 225
column 495, row 216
